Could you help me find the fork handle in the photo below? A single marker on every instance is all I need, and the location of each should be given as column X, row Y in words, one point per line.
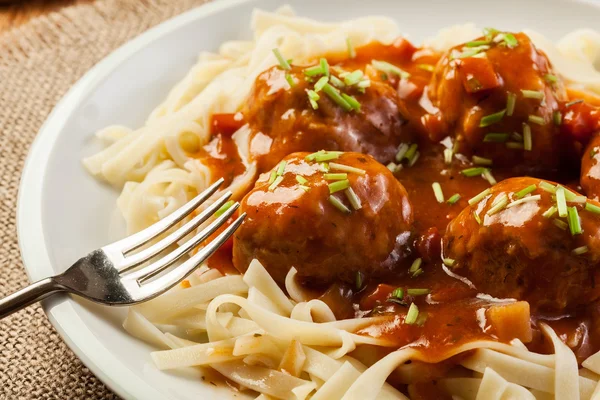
column 28, row 295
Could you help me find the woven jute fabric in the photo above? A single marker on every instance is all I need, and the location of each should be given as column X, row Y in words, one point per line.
column 39, row 62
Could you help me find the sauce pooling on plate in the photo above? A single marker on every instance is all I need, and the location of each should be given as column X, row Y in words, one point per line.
column 452, row 193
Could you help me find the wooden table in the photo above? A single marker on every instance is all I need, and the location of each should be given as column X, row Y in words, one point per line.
column 15, row 13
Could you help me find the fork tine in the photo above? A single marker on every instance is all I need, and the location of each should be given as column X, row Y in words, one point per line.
column 171, row 278
column 158, row 266
column 136, row 259
column 141, row 238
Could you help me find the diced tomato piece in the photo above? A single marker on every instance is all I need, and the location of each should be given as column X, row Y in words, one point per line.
column 379, row 295
column 477, row 74
column 226, row 124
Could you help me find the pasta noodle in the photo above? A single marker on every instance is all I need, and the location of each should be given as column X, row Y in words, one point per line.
column 292, row 347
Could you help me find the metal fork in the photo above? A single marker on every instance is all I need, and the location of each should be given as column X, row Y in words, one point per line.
column 109, row 275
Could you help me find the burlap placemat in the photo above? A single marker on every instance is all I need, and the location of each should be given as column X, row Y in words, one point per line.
column 38, row 64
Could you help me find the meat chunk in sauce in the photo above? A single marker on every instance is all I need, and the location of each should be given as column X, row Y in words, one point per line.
column 295, row 223
column 525, row 251
column 283, row 120
column 590, row 169
column 474, row 86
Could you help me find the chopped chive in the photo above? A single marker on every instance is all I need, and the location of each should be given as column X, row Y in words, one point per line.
column 479, row 197
column 282, row 61
column 359, row 280
column 548, row 187
column 346, row 168
column 477, row 217
column 334, row 95
column 487, row 175
column 580, row 250
column 489, row 33
column 417, row 292
column 561, row 202
column 301, row 180
column 561, row 224
column 470, row 52
column 304, row 187
column 492, row 118
column 398, row 293
column 426, row 67
column 550, row 212
column 410, row 153
column 313, row 95
column 290, row 80
column 511, row 101
column 339, row 205
column 412, row 314
column 281, row 167
column 500, row 204
column 313, row 104
column 592, row 208
column 417, row 273
column 352, row 101
column 353, row 198
column 453, row 199
column 448, row 153
column 471, row 172
column 353, row 78
column 416, row 265
column 327, row 155
column 275, row 183
column 532, row 94
column 577, row 199
column 393, row 167
column 527, row 141
column 272, row 176
column 572, row 103
column 324, row 167
column 402, row 149
column 320, row 83
column 388, row 68
column 413, row 161
column 365, row 83
column 496, row 137
column 350, row 47
column 481, row 160
column 551, row 78
column 224, row 208
column 449, row 262
column 324, row 66
column 313, row 71
column 437, row 191
column 557, row 118
column 514, row 145
column 335, row 177
column 396, row 301
column 510, row 40
column 477, row 43
column 524, row 200
column 335, row 81
column 523, row 192
column 338, row 186
column 536, row 119
column 574, row 222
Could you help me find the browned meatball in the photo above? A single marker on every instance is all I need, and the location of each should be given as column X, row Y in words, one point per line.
column 472, row 84
column 590, row 169
column 295, row 224
column 283, row 120
column 521, row 252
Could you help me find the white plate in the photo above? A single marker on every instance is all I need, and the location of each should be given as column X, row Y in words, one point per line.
column 63, row 213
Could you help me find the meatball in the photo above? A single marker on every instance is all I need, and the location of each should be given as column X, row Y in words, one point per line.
column 494, row 93
column 283, row 120
column 590, row 169
column 295, row 221
column 527, row 251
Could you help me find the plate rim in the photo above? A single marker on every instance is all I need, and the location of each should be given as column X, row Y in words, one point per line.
column 34, row 252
